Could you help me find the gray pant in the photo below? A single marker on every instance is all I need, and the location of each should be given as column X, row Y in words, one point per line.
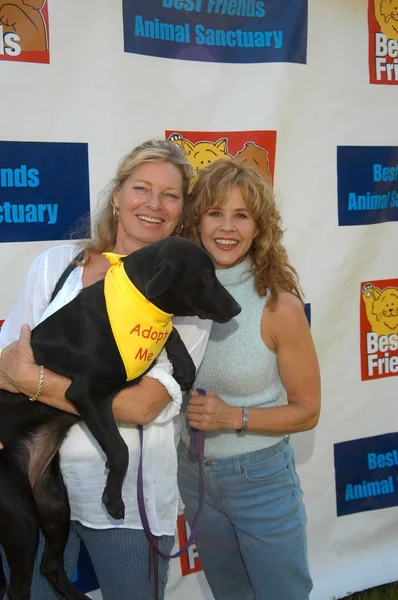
column 120, row 560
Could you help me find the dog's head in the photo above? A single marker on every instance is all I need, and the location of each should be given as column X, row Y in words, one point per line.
column 179, row 278
column 385, row 306
column 389, row 9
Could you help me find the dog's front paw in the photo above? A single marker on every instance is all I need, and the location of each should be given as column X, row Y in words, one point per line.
column 184, row 374
column 114, row 507
column 367, row 290
column 175, row 137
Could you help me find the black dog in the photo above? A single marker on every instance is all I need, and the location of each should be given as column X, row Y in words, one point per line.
column 77, row 342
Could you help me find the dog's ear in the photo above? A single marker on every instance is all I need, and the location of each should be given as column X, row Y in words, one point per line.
column 163, row 278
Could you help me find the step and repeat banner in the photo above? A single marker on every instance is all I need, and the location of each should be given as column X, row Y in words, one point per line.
column 306, row 91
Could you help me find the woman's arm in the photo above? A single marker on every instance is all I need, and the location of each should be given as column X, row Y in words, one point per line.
column 32, row 302
column 288, row 328
column 139, row 403
column 34, row 296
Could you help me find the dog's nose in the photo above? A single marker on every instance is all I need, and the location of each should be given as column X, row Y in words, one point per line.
column 229, row 311
column 234, row 308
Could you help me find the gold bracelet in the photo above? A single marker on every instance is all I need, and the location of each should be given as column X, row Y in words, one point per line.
column 39, row 385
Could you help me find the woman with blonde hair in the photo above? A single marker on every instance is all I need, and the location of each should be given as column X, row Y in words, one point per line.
column 252, row 539
column 143, row 204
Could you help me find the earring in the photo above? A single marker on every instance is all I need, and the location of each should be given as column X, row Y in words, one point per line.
column 115, row 212
column 178, row 229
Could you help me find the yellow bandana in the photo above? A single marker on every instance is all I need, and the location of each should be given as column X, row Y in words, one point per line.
column 140, row 328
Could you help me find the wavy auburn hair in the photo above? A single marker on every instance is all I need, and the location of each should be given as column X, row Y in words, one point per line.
column 213, row 187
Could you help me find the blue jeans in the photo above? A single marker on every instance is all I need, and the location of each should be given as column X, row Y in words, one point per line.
column 252, row 539
column 120, row 560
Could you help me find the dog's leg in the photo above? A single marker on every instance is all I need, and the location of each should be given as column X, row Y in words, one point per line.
column 105, row 431
column 184, row 369
column 19, row 525
column 54, row 516
column 96, row 412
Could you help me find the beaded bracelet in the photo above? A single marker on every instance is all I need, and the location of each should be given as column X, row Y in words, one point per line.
column 39, row 385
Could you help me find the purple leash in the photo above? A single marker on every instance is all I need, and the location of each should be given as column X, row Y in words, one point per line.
column 196, row 449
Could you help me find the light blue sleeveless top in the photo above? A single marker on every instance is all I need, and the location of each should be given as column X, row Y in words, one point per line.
column 239, row 367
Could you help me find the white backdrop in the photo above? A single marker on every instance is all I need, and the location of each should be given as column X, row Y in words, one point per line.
column 94, row 92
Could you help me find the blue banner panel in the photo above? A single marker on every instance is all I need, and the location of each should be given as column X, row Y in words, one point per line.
column 367, row 184
column 225, row 31
column 366, row 474
column 307, row 310
column 84, row 576
column 44, row 190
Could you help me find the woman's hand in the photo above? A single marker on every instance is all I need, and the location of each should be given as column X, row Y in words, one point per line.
column 17, row 364
column 5, row 382
column 211, row 413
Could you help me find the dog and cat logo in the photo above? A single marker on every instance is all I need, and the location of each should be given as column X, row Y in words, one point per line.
column 24, row 31
column 379, row 329
column 254, row 148
column 383, row 41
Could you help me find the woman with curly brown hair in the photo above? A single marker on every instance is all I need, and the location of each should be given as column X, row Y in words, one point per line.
column 252, row 539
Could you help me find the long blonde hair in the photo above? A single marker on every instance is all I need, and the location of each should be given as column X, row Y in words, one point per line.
column 104, row 223
column 214, row 185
